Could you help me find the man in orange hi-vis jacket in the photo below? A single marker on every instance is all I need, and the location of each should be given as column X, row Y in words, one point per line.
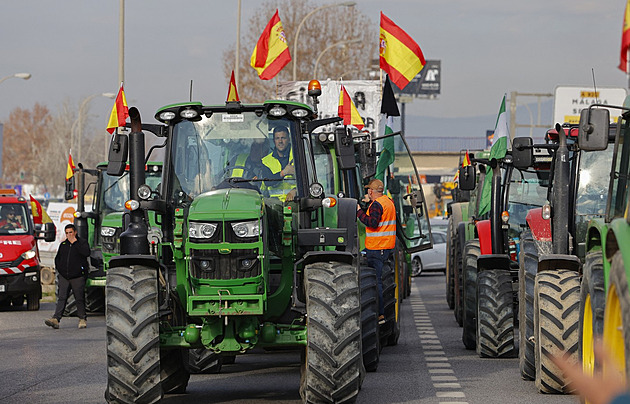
column 380, row 221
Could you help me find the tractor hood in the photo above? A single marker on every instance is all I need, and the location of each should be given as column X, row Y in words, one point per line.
column 113, row 219
column 226, row 204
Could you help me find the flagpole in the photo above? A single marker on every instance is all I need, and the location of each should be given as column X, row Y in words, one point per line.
column 628, row 66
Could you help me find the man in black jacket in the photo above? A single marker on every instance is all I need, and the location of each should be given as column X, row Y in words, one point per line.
column 72, row 268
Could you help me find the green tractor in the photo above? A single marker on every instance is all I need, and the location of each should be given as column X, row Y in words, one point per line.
column 605, row 291
column 102, row 225
column 248, row 258
column 553, row 251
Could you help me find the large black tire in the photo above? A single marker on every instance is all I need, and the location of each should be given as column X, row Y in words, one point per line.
column 458, row 310
column 495, row 314
column 332, row 367
column 592, row 304
column 370, row 341
column 32, row 301
column 94, row 302
column 469, row 298
column 132, row 333
column 556, row 318
column 173, row 374
column 450, row 259
column 617, row 317
column 202, row 360
column 528, row 267
column 390, row 331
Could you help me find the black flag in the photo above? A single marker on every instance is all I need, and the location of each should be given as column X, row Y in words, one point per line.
column 388, row 104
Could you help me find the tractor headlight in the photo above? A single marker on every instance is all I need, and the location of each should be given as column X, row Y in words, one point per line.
column 277, row 111
column 546, row 212
column 189, row 113
column 144, row 192
column 108, row 231
column 29, row 254
column 201, row 230
column 246, row 229
column 299, row 112
column 167, row 115
column 316, row 190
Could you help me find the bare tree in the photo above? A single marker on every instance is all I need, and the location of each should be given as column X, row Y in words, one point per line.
column 322, row 29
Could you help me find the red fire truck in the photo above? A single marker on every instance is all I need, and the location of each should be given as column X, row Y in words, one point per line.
column 19, row 256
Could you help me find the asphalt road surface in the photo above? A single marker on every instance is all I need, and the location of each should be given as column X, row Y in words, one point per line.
column 429, row 365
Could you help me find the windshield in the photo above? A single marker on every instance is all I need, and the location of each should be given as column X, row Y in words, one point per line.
column 233, row 151
column 13, row 219
column 528, row 190
column 115, row 190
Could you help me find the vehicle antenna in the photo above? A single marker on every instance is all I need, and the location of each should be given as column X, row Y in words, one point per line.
column 594, row 86
column 191, row 90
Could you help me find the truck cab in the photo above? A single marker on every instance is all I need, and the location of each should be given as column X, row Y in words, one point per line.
column 20, row 264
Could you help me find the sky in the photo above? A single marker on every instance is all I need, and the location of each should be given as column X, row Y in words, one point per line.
column 487, row 48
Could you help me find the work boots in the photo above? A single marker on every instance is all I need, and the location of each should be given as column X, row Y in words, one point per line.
column 82, row 323
column 52, row 322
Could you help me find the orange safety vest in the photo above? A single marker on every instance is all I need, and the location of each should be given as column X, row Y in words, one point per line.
column 382, row 237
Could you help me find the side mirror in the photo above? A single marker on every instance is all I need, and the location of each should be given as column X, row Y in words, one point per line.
column 417, row 198
column 367, row 159
column 345, row 149
column 69, row 191
column 50, row 232
column 117, row 158
column 594, row 127
column 522, row 152
column 467, row 178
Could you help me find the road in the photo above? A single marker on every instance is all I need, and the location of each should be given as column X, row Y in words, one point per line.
column 429, row 365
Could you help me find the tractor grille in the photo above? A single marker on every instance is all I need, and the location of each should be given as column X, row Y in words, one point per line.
column 237, row 264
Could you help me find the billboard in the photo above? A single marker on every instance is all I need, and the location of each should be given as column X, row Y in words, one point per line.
column 569, row 101
column 427, row 83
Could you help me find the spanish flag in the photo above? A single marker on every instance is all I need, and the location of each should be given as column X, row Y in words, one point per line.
column 466, row 161
column 625, row 39
column 348, row 111
column 232, row 91
column 39, row 214
column 271, row 53
column 70, row 168
column 120, row 112
column 400, row 56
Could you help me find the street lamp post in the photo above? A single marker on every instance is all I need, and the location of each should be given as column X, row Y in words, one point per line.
column 78, row 123
column 297, row 33
column 23, row 76
column 328, row 48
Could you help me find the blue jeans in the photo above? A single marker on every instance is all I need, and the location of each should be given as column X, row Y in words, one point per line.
column 376, row 259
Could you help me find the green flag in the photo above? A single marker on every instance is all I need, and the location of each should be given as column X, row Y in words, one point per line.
column 497, row 151
column 387, row 154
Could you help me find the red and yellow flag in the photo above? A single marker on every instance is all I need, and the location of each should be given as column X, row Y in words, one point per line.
column 70, row 168
column 348, row 111
column 232, row 91
column 39, row 214
column 400, row 56
column 271, row 53
column 625, row 39
column 120, row 111
column 466, row 161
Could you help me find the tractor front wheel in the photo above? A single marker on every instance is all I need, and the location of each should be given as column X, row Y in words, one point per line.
column 528, row 267
column 495, row 314
column 469, row 298
column 132, row 334
column 369, row 318
column 332, row 362
column 617, row 319
column 592, row 302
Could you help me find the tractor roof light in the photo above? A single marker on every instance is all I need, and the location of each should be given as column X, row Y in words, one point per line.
column 314, row 88
column 299, row 112
column 189, row 113
column 167, row 115
column 277, row 111
column 144, row 192
column 132, row 205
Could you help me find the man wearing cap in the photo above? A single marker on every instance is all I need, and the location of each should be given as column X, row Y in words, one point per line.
column 380, row 226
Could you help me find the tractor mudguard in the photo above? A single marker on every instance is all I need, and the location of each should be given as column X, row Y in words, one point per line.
column 554, row 262
column 134, row 259
column 493, row 261
column 541, row 228
column 485, row 236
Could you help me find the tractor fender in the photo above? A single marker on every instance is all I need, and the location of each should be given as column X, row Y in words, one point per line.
column 493, row 261
column 595, row 237
column 541, row 228
column 134, row 259
column 617, row 237
column 554, row 262
column 484, row 232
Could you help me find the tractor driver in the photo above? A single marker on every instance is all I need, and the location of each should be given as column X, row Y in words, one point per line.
column 280, row 163
column 10, row 219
